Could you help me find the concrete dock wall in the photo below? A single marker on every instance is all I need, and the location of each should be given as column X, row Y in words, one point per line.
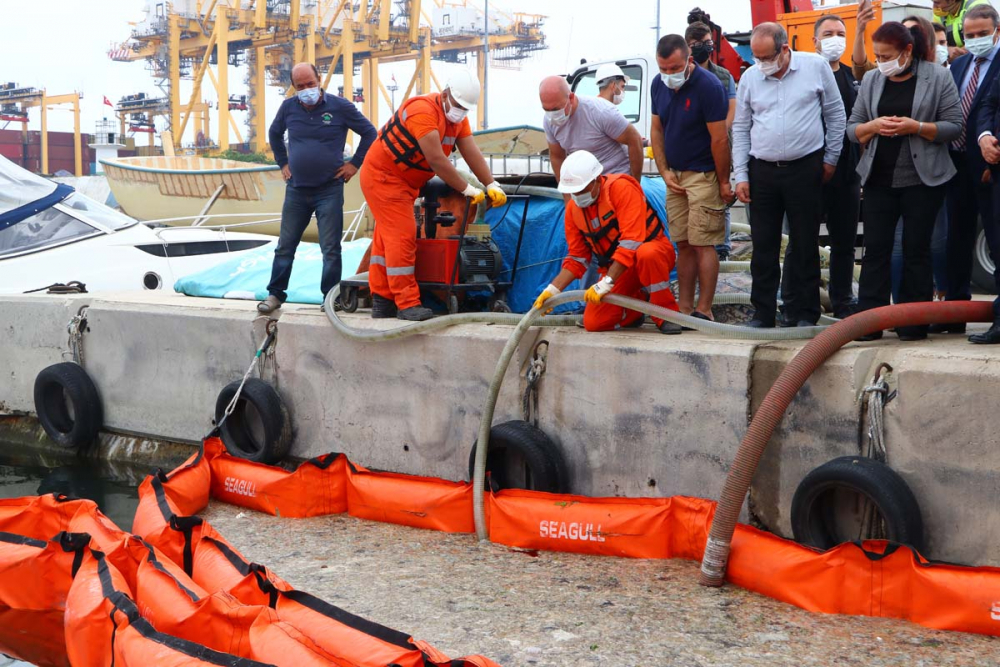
column 636, row 413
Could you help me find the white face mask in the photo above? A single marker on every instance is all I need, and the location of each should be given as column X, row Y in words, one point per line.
column 456, row 115
column 832, row 48
column 893, row 67
column 771, row 67
column 941, row 54
column 617, row 98
column 309, row 96
column 676, row 80
column 583, row 199
column 980, row 46
column 557, row 116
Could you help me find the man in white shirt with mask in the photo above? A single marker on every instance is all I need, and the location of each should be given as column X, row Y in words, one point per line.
column 611, row 82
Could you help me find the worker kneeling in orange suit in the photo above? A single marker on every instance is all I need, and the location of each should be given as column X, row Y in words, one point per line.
column 411, row 148
column 609, row 218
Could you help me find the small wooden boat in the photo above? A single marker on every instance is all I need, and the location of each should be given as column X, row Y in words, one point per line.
column 180, row 190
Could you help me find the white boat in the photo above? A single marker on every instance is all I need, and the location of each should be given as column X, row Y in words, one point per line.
column 51, row 234
column 187, row 187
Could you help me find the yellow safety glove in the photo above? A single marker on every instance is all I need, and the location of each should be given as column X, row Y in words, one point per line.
column 496, row 194
column 648, row 152
column 475, row 194
column 546, row 294
column 598, row 290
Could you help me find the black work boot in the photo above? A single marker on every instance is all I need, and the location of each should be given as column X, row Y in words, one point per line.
column 415, row 314
column 382, row 308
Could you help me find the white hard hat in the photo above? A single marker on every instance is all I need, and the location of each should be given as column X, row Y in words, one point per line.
column 578, row 170
column 464, row 87
column 608, row 71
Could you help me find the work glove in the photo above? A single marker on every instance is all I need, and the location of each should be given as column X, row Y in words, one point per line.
column 598, row 290
column 546, row 294
column 475, row 194
column 496, row 194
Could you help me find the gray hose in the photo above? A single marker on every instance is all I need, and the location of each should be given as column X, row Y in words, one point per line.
column 486, row 419
column 427, row 326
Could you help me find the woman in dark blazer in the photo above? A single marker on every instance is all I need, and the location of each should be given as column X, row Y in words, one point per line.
column 906, row 114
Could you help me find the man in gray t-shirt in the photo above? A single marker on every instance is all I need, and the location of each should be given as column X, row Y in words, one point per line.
column 573, row 123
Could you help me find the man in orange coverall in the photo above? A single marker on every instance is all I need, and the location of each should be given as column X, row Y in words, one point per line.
column 608, row 217
column 411, row 148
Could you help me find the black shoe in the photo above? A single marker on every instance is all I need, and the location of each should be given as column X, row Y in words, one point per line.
column 908, row 337
column 805, row 323
column 637, row 324
column 669, row 328
column 700, row 316
column 877, row 335
column 843, row 312
column 785, row 321
column 415, row 314
column 989, row 337
column 382, row 308
column 953, row 328
column 759, row 324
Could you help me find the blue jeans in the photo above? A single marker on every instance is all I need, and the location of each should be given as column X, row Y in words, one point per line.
column 327, row 202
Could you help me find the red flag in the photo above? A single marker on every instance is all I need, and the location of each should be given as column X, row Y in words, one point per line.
column 108, row 102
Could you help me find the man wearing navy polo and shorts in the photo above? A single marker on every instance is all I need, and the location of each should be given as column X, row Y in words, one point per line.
column 315, row 172
column 691, row 148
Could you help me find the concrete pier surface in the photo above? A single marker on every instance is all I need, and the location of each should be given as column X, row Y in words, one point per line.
column 635, row 413
column 538, row 609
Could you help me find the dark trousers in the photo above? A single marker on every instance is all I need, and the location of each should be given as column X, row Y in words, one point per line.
column 793, row 189
column 991, row 229
column 968, row 199
column 841, row 206
column 327, row 202
column 918, row 206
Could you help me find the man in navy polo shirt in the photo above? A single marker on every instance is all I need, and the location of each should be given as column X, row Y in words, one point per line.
column 691, row 148
column 315, row 172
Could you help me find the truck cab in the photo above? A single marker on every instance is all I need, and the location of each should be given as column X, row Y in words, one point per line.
column 636, row 106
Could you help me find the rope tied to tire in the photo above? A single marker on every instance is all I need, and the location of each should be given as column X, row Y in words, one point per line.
column 536, row 369
column 269, row 359
column 76, row 328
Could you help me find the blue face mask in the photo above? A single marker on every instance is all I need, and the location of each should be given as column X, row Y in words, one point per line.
column 309, row 96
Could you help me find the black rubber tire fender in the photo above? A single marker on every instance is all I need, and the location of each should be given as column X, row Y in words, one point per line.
column 59, row 388
column 541, row 456
column 349, row 299
column 879, row 483
column 237, row 433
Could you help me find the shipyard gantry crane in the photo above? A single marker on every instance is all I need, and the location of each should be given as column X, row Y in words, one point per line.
column 15, row 101
column 186, row 38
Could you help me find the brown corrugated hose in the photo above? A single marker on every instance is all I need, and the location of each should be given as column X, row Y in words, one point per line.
column 772, row 409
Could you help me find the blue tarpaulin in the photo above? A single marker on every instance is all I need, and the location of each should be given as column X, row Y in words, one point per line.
column 246, row 276
column 543, row 247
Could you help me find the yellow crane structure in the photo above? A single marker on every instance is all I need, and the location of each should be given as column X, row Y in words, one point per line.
column 15, row 102
column 185, row 38
column 137, row 113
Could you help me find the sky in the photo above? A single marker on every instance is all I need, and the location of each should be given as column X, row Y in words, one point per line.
column 61, row 45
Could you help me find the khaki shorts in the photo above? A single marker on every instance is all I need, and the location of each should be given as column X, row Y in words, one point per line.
column 698, row 217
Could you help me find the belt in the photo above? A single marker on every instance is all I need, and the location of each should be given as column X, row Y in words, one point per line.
column 781, row 164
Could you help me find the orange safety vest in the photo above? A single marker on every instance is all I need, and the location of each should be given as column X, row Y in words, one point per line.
column 602, row 231
column 403, row 146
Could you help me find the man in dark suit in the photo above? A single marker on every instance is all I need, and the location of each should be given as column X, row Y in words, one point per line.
column 986, row 131
column 970, row 192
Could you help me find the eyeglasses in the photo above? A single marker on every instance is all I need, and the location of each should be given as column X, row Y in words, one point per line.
column 770, row 59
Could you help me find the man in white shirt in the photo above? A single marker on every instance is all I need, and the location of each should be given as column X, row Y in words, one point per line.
column 787, row 138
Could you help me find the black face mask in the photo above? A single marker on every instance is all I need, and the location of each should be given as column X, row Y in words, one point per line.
column 701, row 53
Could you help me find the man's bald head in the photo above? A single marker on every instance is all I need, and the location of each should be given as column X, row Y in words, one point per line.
column 305, row 75
column 554, row 93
